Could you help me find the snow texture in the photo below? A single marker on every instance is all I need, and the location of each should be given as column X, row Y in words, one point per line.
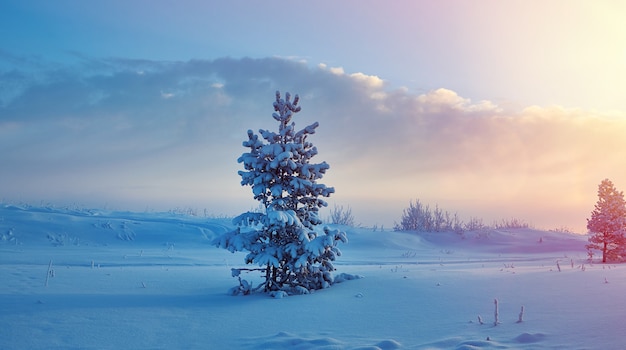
column 167, row 289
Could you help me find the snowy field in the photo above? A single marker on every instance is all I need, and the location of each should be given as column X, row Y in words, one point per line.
column 93, row 279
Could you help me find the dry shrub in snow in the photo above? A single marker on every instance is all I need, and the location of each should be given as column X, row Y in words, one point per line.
column 512, row 223
column 419, row 217
column 341, row 216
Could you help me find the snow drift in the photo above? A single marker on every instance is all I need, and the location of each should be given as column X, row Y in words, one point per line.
column 149, row 280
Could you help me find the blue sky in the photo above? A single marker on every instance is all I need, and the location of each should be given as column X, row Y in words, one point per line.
column 492, row 109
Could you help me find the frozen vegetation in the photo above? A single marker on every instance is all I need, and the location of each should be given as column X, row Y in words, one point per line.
column 94, row 279
column 284, row 238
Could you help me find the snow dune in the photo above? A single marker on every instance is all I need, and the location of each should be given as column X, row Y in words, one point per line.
column 153, row 281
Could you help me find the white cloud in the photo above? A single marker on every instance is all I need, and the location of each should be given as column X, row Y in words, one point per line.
column 441, row 96
column 298, row 59
column 337, row 70
column 442, row 99
column 167, row 95
column 391, row 143
column 370, row 81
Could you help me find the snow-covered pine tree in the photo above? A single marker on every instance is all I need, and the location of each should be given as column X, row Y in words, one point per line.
column 607, row 224
column 284, row 238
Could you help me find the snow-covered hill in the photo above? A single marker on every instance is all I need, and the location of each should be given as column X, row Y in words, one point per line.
column 95, row 279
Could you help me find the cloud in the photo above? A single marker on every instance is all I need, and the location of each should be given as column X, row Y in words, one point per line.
column 440, row 100
column 152, row 129
column 336, row 70
column 364, row 80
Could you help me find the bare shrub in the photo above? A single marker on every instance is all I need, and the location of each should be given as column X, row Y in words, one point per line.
column 561, row 229
column 512, row 223
column 475, row 224
column 341, row 216
column 419, row 217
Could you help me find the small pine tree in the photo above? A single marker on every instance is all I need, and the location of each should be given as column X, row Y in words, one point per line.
column 282, row 238
column 607, row 224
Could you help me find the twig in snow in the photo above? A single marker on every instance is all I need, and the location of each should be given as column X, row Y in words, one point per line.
column 496, row 314
column 50, row 272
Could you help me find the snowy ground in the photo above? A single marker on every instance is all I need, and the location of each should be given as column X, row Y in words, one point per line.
column 153, row 281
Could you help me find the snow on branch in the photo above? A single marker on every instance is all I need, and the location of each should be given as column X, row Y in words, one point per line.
column 284, row 238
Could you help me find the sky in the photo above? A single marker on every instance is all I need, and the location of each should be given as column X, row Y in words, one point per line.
column 491, row 109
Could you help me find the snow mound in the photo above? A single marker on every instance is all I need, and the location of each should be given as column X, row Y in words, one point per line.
column 522, row 341
column 342, row 277
column 478, row 344
column 287, row 340
column 520, row 240
column 527, row 338
column 389, row 345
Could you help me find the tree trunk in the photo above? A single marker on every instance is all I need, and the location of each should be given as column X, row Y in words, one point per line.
column 274, row 277
column 604, row 252
column 267, row 278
